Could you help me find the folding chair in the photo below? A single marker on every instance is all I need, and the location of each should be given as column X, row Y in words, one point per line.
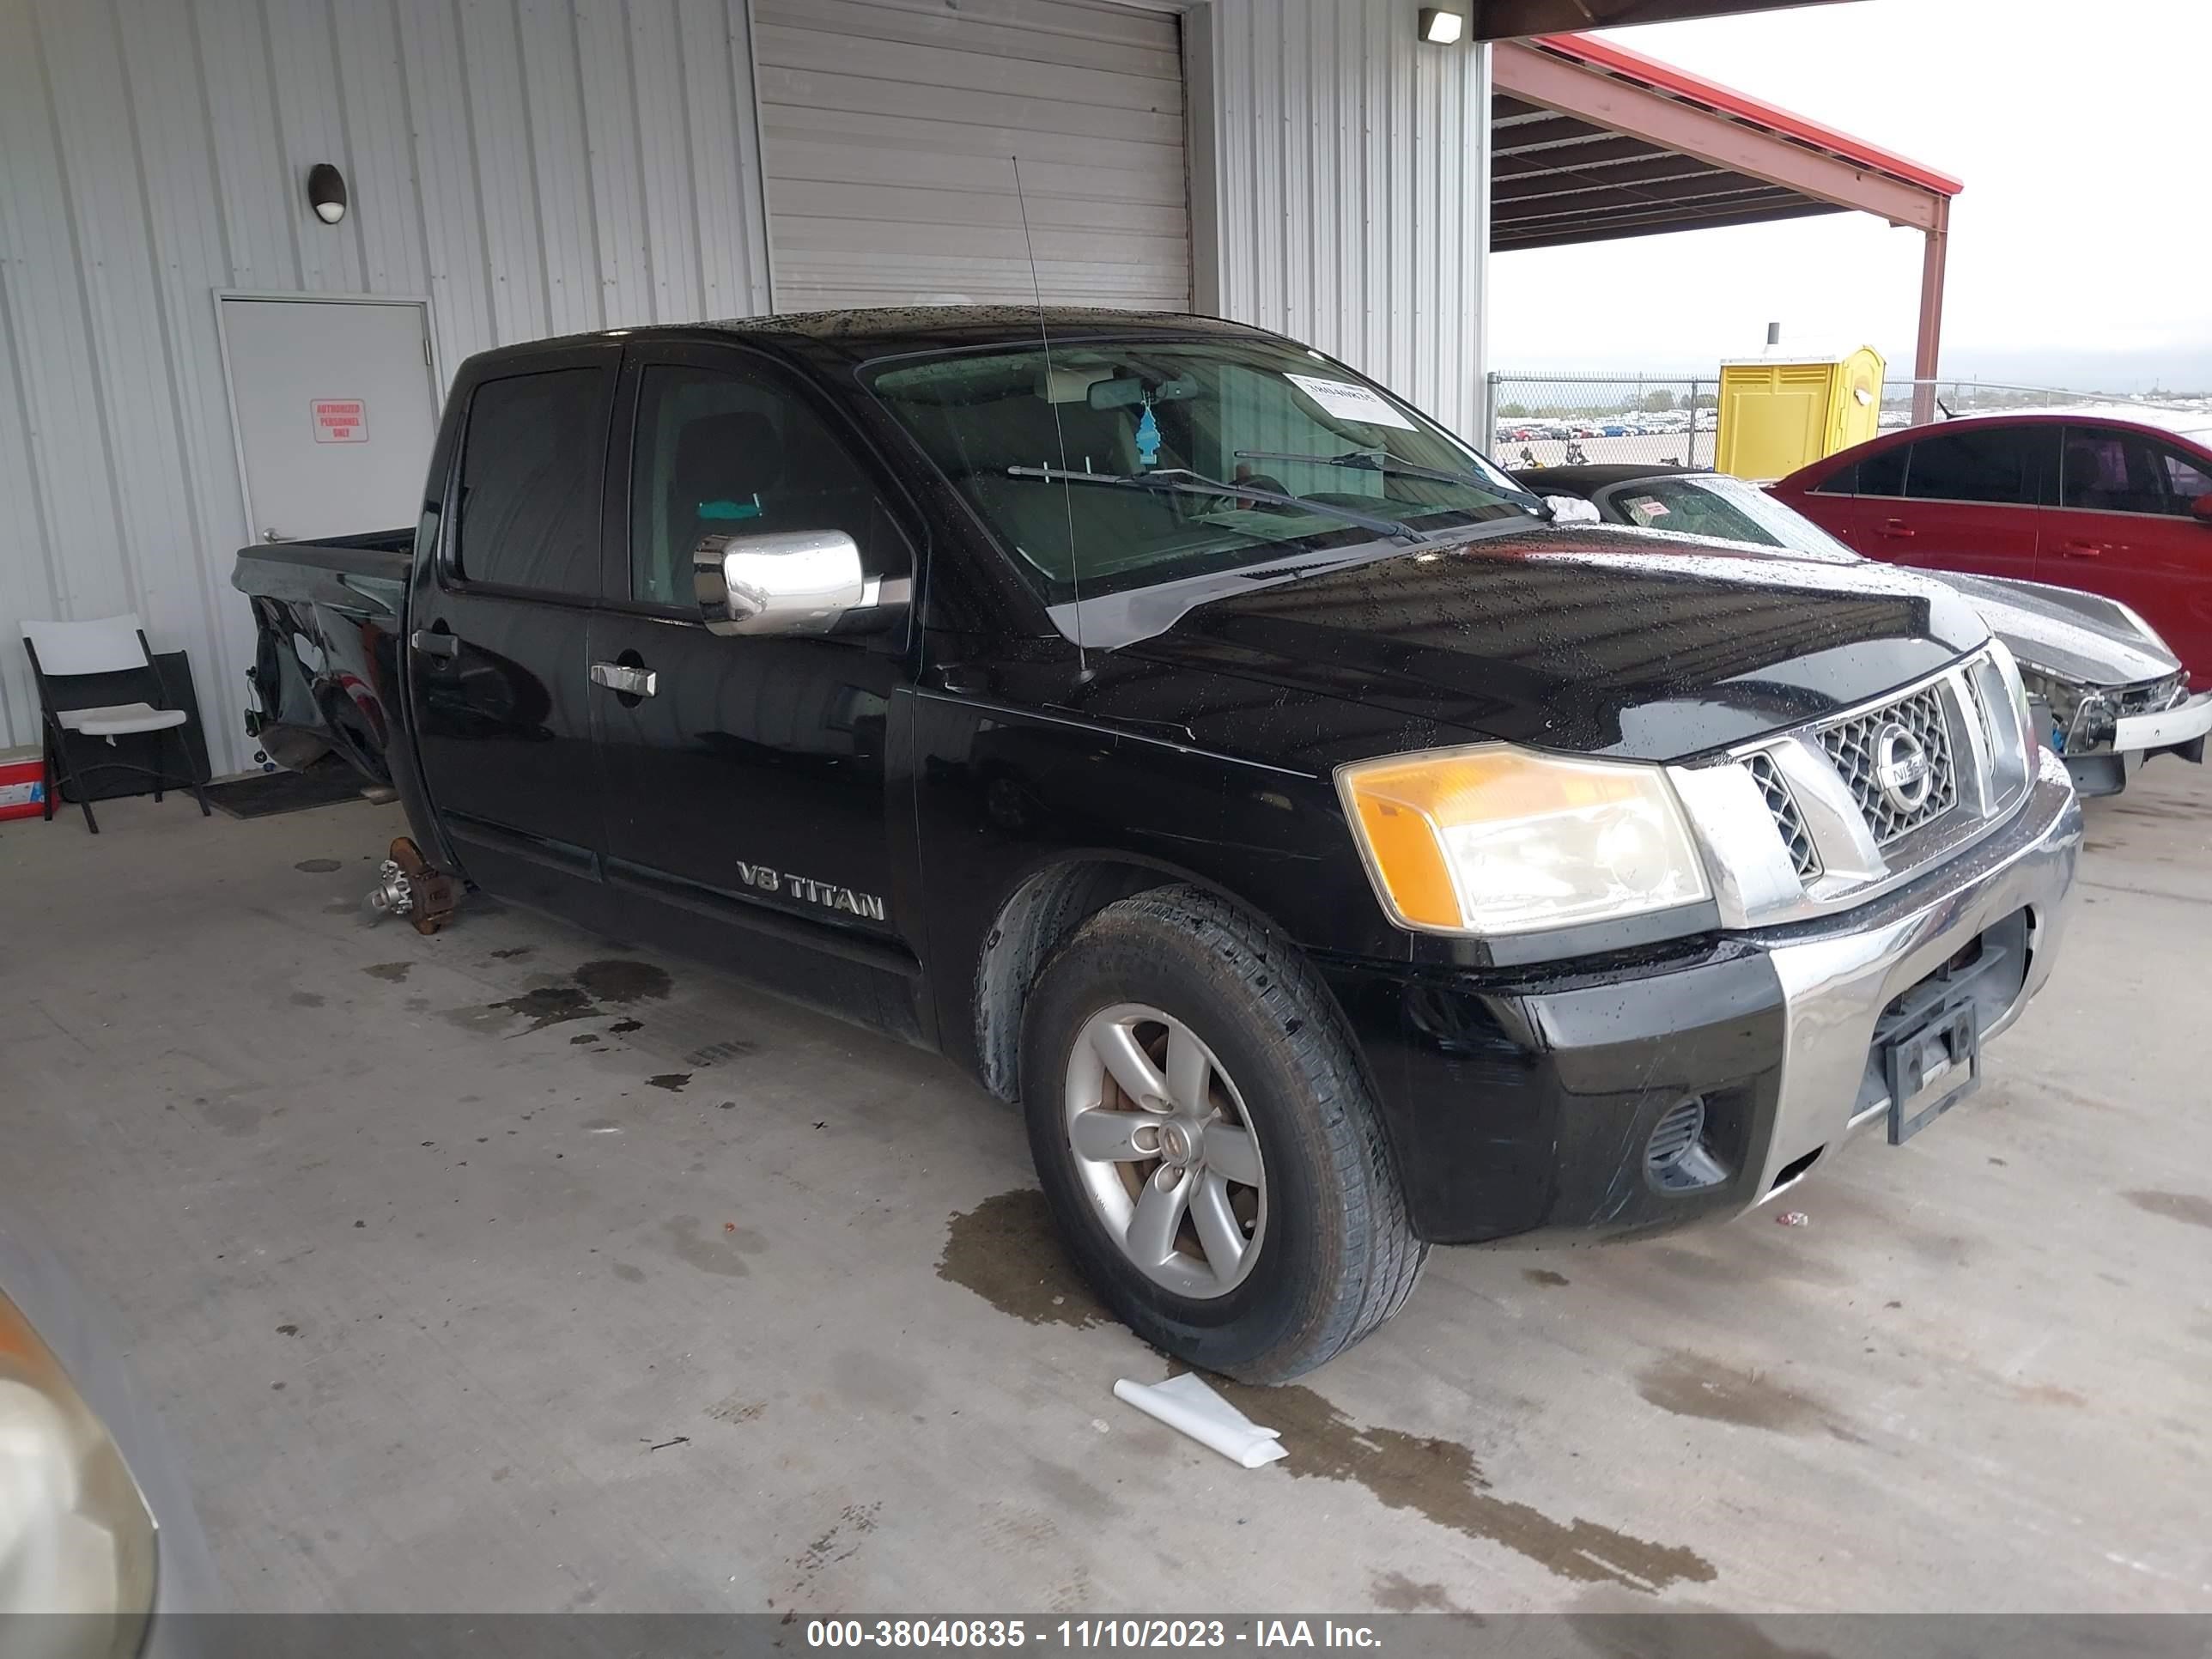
column 104, row 659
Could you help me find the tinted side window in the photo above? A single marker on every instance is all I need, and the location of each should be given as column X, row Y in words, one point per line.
column 728, row 454
column 1843, row 481
column 1990, row 466
column 1884, row 474
column 2110, row 470
column 530, row 482
column 2186, row 477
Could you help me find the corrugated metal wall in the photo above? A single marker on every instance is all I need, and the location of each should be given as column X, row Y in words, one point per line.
column 1349, row 187
column 538, row 167
column 535, row 166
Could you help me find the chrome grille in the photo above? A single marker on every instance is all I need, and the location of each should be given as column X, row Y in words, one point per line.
column 1788, row 820
column 1853, row 746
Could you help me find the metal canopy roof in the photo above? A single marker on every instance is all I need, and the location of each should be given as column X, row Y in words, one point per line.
column 1591, row 141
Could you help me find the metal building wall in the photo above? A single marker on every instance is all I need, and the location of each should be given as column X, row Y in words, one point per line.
column 533, row 167
column 1346, row 198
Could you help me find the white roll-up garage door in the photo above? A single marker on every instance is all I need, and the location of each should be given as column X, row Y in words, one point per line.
column 888, row 130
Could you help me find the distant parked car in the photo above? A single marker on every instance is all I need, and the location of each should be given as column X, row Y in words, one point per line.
column 2108, row 691
column 2109, row 506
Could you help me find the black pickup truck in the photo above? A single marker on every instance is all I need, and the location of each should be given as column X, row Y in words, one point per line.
column 1332, row 854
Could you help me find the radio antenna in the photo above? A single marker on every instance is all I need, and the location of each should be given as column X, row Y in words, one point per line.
column 1060, row 433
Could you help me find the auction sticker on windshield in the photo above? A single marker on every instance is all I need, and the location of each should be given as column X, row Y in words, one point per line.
column 1350, row 403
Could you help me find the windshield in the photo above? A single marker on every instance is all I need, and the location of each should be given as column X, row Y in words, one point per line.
column 1725, row 507
column 1157, row 429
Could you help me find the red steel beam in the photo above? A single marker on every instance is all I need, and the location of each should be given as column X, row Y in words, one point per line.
column 1501, row 20
column 1574, row 79
column 1928, row 353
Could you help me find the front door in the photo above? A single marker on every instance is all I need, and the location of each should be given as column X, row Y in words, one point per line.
column 336, row 410
column 748, row 807
column 2125, row 526
column 502, row 711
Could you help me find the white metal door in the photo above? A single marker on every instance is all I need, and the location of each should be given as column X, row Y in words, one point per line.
column 888, row 133
column 335, row 410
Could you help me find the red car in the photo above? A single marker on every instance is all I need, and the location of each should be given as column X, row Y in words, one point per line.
column 2110, row 507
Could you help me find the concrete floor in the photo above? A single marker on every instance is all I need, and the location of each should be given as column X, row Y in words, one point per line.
column 469, row 1275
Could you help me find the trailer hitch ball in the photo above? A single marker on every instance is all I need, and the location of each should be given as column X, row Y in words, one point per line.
column 408, row 884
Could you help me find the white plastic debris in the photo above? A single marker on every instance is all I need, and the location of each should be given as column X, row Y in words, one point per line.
column 1186, row 1405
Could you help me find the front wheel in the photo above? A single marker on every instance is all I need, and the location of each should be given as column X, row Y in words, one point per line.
column 1207, row 1141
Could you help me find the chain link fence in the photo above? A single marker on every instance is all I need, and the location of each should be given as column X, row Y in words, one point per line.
column 1917, row 403
column 1564, row 420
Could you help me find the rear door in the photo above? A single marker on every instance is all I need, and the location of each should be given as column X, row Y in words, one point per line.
column 1970, row 500
column 2124, row 526
column 748, row 789
column 502, row 712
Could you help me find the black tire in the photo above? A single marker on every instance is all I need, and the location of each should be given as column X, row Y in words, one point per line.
column 1338, row 1255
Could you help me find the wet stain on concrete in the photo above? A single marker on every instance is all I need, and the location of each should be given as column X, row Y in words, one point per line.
column 306, row 1000
column 1691, row 1386
column 623, row 1027
column 546, row 1005
column 1440, row 1479
column 592, row 988
column 317, row 867
column 628, row 1274
column 620, row 981
column 1393, row 1592
column 515, row 951
column 686, row 1239
column 672, row 1081
column 2189, row 1207
column 1545, row 1277
column 392, row 973
column 232, row 1117
column 1006, row 1250
column 729, row 1048
column 588, row 1036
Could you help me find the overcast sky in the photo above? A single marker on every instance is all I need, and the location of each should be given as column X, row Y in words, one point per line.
column 2080, row 251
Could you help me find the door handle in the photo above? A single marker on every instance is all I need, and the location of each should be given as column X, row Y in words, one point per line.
column 1897, row 529
column 434, row 645
column 630, row 682
column 2081, row 549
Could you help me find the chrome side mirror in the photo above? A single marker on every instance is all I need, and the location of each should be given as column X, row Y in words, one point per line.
column 786, row 581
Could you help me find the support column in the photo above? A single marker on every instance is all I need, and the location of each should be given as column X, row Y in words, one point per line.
column 1928, row 354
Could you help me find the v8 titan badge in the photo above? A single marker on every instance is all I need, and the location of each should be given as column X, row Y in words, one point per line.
column 340, row 420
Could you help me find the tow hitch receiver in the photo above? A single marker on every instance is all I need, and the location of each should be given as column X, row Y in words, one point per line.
column 408, row 884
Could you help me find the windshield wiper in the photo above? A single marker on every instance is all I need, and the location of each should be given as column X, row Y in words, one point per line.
column 1361, row 461
column 1178, row 481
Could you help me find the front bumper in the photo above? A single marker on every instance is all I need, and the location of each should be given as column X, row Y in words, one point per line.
column 1525, row 1103
column 2104, row 768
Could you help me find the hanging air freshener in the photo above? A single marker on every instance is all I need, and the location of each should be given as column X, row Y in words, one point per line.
column 1148, row 437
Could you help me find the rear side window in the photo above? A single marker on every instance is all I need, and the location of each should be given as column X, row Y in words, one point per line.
column 1883, row 474
column 2110, row 470
column 530, row 482
column 1843, row 481
column 1998, row 465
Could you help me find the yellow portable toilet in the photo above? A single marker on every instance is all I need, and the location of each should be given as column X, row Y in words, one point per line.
column 1778, row 414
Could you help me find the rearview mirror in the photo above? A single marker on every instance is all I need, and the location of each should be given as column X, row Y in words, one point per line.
column 2201, row 509
column 786, row 581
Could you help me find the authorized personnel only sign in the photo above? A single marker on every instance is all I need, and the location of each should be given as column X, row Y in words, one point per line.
column 341, row 421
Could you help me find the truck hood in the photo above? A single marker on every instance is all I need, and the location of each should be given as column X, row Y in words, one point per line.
column 1588, row 638
column 2082, row 636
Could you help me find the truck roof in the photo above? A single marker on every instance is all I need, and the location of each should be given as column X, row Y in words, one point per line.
column 873, row 330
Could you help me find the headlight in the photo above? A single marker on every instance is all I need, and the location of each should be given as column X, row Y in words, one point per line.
column 1497, row 839
column 75, row 1534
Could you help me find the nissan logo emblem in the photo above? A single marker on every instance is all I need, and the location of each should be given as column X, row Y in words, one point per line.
column 1901, row 767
